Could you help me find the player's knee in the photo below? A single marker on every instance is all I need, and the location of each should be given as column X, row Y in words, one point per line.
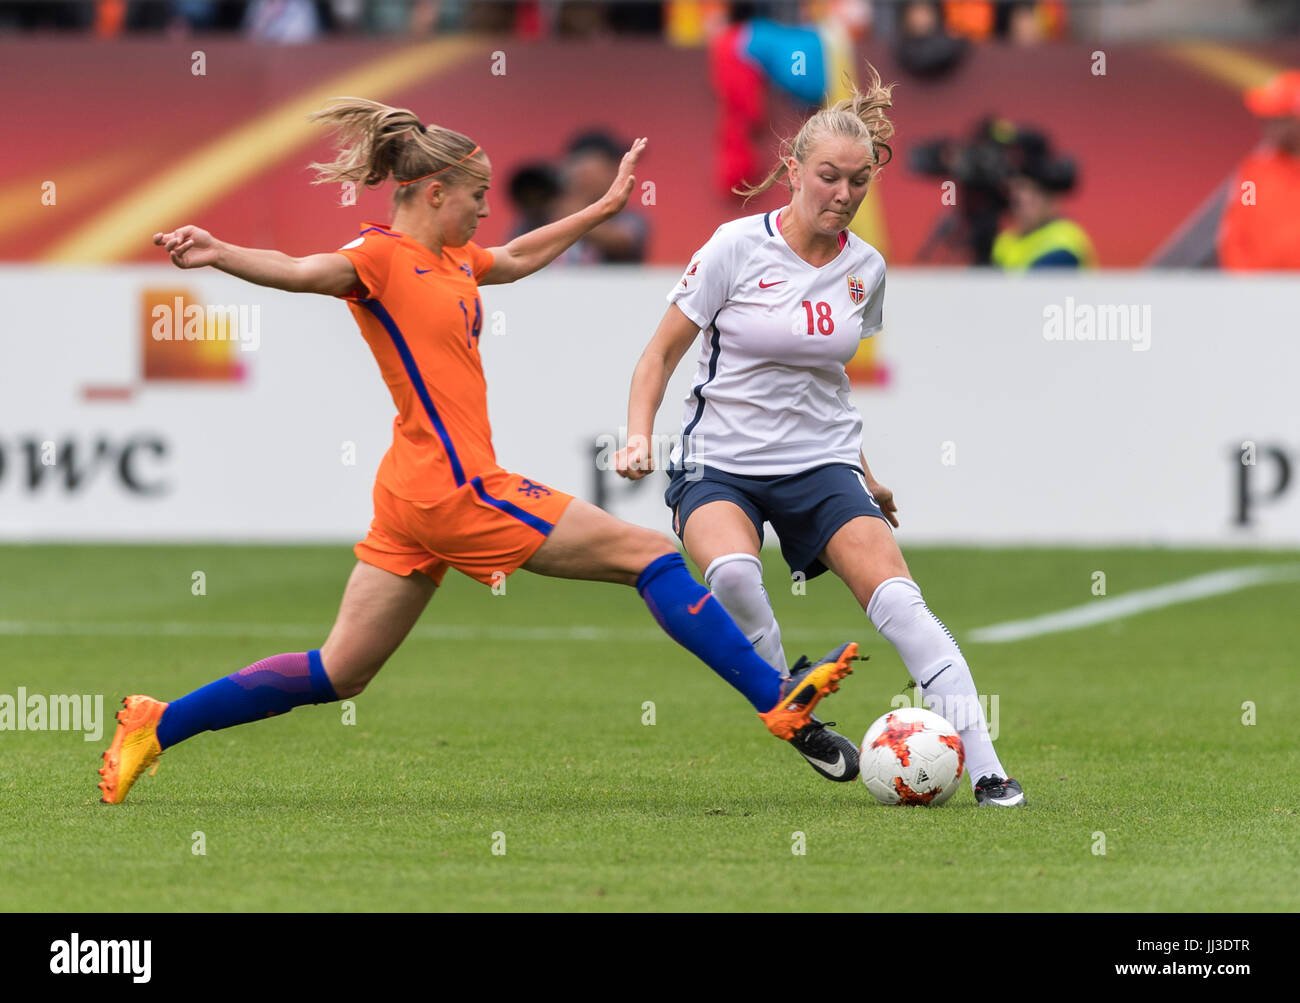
column 647, row 546
column 346, row 689
column 348, row 675
column 638, row 551
column 737, row 580
column 892, row 597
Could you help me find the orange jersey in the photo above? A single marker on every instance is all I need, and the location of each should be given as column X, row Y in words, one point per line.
column 1263, row 232
column 421, row 315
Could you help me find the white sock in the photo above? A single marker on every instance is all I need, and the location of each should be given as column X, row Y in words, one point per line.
column 936, row 663
column 737, row 582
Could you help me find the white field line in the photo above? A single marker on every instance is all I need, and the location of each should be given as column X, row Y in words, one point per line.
column 1105, row 608
column 189, row 628
column 422, row 632
column 1100, row 610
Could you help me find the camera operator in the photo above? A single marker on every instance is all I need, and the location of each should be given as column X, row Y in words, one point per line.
column 1002, row 168
column 1039, row 236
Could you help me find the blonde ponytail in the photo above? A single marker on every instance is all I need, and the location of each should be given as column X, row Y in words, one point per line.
column 377, row 142
column 861, row 117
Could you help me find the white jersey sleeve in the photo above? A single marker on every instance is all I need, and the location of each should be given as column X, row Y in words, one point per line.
column 873, row 314
column 706, row 283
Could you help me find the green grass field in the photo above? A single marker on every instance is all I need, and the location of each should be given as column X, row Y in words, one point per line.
column 499, row 716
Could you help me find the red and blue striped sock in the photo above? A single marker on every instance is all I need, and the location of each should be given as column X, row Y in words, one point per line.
column 272, row 686
column 694, row 618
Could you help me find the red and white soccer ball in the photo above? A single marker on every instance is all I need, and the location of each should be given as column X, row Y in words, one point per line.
column 912, row 756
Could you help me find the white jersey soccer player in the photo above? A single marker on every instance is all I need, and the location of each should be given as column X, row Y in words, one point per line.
column 780, row 303
column 771, row 395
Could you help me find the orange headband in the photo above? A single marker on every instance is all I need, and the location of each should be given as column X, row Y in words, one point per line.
column 471, row 153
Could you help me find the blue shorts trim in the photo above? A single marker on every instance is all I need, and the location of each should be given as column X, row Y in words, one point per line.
column 527, row 518
column 806, row 509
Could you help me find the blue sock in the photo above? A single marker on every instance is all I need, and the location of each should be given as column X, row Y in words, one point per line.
column 693, row 617
column 272, row 686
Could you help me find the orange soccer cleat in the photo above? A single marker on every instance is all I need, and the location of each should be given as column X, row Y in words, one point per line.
column 135, row 747
column 801, row 692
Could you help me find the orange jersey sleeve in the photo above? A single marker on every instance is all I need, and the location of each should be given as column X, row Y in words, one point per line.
column 371, row 254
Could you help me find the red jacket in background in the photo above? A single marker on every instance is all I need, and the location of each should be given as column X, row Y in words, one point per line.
column 1265, row 234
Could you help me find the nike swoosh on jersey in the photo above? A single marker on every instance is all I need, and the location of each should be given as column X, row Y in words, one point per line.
column 422, row 271
column 835, row 769
column 769, row 285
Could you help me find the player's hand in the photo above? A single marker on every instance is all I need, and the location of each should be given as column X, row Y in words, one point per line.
column 634, row 461
column 885, row 499
column 613, row 201
column 189, row 246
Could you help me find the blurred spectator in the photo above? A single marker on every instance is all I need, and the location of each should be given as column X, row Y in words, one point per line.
column 1022, row 22
column 972, row 19
column 806, row 61
column 175, row 15
column 682, row 22
column 925, row 48
column 636, row 17
column 41, row 15
column 346, row 15
column 694, row 22
column 738, row 83
column 199, row 15
column 1040, row 237
column 534, row 189
column 282, row 21
column 581, row 19
column 1260, row 228
column 589, row 169
column 492, row 17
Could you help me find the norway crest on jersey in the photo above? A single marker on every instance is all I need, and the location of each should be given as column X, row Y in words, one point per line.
column 857, row 291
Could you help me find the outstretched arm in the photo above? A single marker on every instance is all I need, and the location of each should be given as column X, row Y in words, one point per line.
column 538, row 248
column 329, row 274
column 674, row 336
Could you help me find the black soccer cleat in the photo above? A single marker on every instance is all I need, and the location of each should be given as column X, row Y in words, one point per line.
column 828, row 752
column 1003, row 792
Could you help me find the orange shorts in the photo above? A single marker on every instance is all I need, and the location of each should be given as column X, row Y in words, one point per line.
column 487, row 528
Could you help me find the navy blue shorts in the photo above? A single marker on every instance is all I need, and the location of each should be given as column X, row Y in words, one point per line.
column 806, row 509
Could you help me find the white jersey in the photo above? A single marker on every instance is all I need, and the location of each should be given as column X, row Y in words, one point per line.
column 771, row 396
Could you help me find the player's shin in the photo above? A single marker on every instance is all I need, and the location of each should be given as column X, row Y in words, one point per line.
column 272, row 686
column 693, row 617
column 936, row 663
column 736, row 580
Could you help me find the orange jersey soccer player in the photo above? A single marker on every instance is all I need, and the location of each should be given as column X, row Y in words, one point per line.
column 441, row 499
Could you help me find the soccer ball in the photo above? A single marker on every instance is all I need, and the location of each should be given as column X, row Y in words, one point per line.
column 912, row 756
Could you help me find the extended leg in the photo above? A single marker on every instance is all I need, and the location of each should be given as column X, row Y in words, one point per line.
column 865, row 555
column 377, row 612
